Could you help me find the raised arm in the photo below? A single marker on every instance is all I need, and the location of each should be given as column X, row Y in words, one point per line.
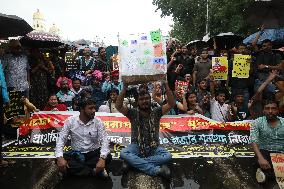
column 119, row 101
column 264, row 84
column 171, row 100
column 254, row 42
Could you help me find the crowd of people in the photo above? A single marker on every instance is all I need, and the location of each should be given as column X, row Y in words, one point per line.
column 50, row 86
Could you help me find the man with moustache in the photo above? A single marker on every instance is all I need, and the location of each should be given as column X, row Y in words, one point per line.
column 144, row 152
column 90, row 152
column 267, row 136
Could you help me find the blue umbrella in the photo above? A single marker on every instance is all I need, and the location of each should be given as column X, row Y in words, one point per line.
column 275, row 35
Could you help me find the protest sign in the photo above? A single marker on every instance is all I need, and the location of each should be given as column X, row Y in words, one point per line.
column 181, row 86
column 183, row 135
column 16, row 106
column 241, row 66
column 220, row 68
column 143, row 57
column 71, row 64
column 277, row 160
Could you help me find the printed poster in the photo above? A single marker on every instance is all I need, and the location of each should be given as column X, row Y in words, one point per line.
column 241, row 66
column 181, row 86
column 143, row 54
column 220, row 68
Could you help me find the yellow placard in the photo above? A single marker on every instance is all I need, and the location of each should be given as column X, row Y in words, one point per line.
column 220, row 68
column 241, row 66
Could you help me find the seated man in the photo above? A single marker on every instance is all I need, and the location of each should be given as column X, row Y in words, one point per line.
column 90, row 146
column 144, row 152
column 267, row 136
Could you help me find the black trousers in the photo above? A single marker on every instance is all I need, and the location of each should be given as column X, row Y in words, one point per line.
column 266, row 154
column 77, row 167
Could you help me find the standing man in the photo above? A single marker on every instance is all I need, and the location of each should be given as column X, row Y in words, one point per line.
column 16, row 68
column 202, row 68
column 90, row 152
column 267, row 136
column 144, row 152
column 266, row 61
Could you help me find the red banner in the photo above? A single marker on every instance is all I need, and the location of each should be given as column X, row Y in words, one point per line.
column 119, row 123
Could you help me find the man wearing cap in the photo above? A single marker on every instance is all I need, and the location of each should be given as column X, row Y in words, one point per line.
column 16, row 68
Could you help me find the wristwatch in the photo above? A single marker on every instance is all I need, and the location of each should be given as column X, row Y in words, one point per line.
column 103, row 157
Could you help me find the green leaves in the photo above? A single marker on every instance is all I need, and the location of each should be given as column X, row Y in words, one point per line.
column 190, row 17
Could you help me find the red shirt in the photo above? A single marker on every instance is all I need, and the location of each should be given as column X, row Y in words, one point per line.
column 59, row 107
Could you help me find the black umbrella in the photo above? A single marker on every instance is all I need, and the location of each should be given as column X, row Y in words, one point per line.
column 41, row 39
column 13, row 26
column 197, row 43
column 269, row 13
column 225, row 40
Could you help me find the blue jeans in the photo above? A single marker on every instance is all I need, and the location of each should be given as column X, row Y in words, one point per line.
column 149, row 165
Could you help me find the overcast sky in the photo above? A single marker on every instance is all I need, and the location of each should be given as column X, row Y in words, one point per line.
column 89, row 18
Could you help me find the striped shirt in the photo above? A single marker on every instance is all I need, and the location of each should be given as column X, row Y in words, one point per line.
column 268, row 137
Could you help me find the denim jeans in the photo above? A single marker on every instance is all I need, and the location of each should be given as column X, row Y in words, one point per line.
column 149, row 165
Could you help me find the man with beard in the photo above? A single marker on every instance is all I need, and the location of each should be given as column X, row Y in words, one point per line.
column 90, row 152
column 266, row 61
column 144, row 152
column 267, row 136
column 65, row 95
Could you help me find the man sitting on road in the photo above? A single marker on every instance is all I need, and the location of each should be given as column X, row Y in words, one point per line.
column 90, row 146
column 267, row 136
column 144, row 152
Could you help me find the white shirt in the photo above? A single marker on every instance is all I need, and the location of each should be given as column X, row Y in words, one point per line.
column 84, row 137
column 218, row 112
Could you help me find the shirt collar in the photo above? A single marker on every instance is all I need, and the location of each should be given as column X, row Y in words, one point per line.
column 92, row 121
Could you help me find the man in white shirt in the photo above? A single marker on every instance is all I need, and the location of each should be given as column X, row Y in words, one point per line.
column 90, row 147
column 219, row 110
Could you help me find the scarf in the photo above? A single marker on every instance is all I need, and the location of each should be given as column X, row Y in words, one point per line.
column 141, row 135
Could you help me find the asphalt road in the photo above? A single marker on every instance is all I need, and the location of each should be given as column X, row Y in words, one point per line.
column 193, row 173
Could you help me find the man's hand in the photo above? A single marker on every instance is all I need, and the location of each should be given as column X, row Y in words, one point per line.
column 62, row 164
column 261, row 66
column 179, row 68
column 264, row 164
column 100, row 165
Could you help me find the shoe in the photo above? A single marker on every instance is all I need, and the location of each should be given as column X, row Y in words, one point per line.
column 165, row 172
column 260, row 176
column 102, row 174
column 125, row 167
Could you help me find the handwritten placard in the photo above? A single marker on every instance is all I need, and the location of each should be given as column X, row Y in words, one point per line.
column 143, row 54
column 70, row 63
column 241, row 66
column 277, row 160
column 16, row 106
column 220, row 68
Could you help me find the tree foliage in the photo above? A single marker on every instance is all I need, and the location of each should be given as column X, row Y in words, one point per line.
column 190, row 17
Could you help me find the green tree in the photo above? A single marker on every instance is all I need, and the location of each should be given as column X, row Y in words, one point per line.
column 190, row 17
